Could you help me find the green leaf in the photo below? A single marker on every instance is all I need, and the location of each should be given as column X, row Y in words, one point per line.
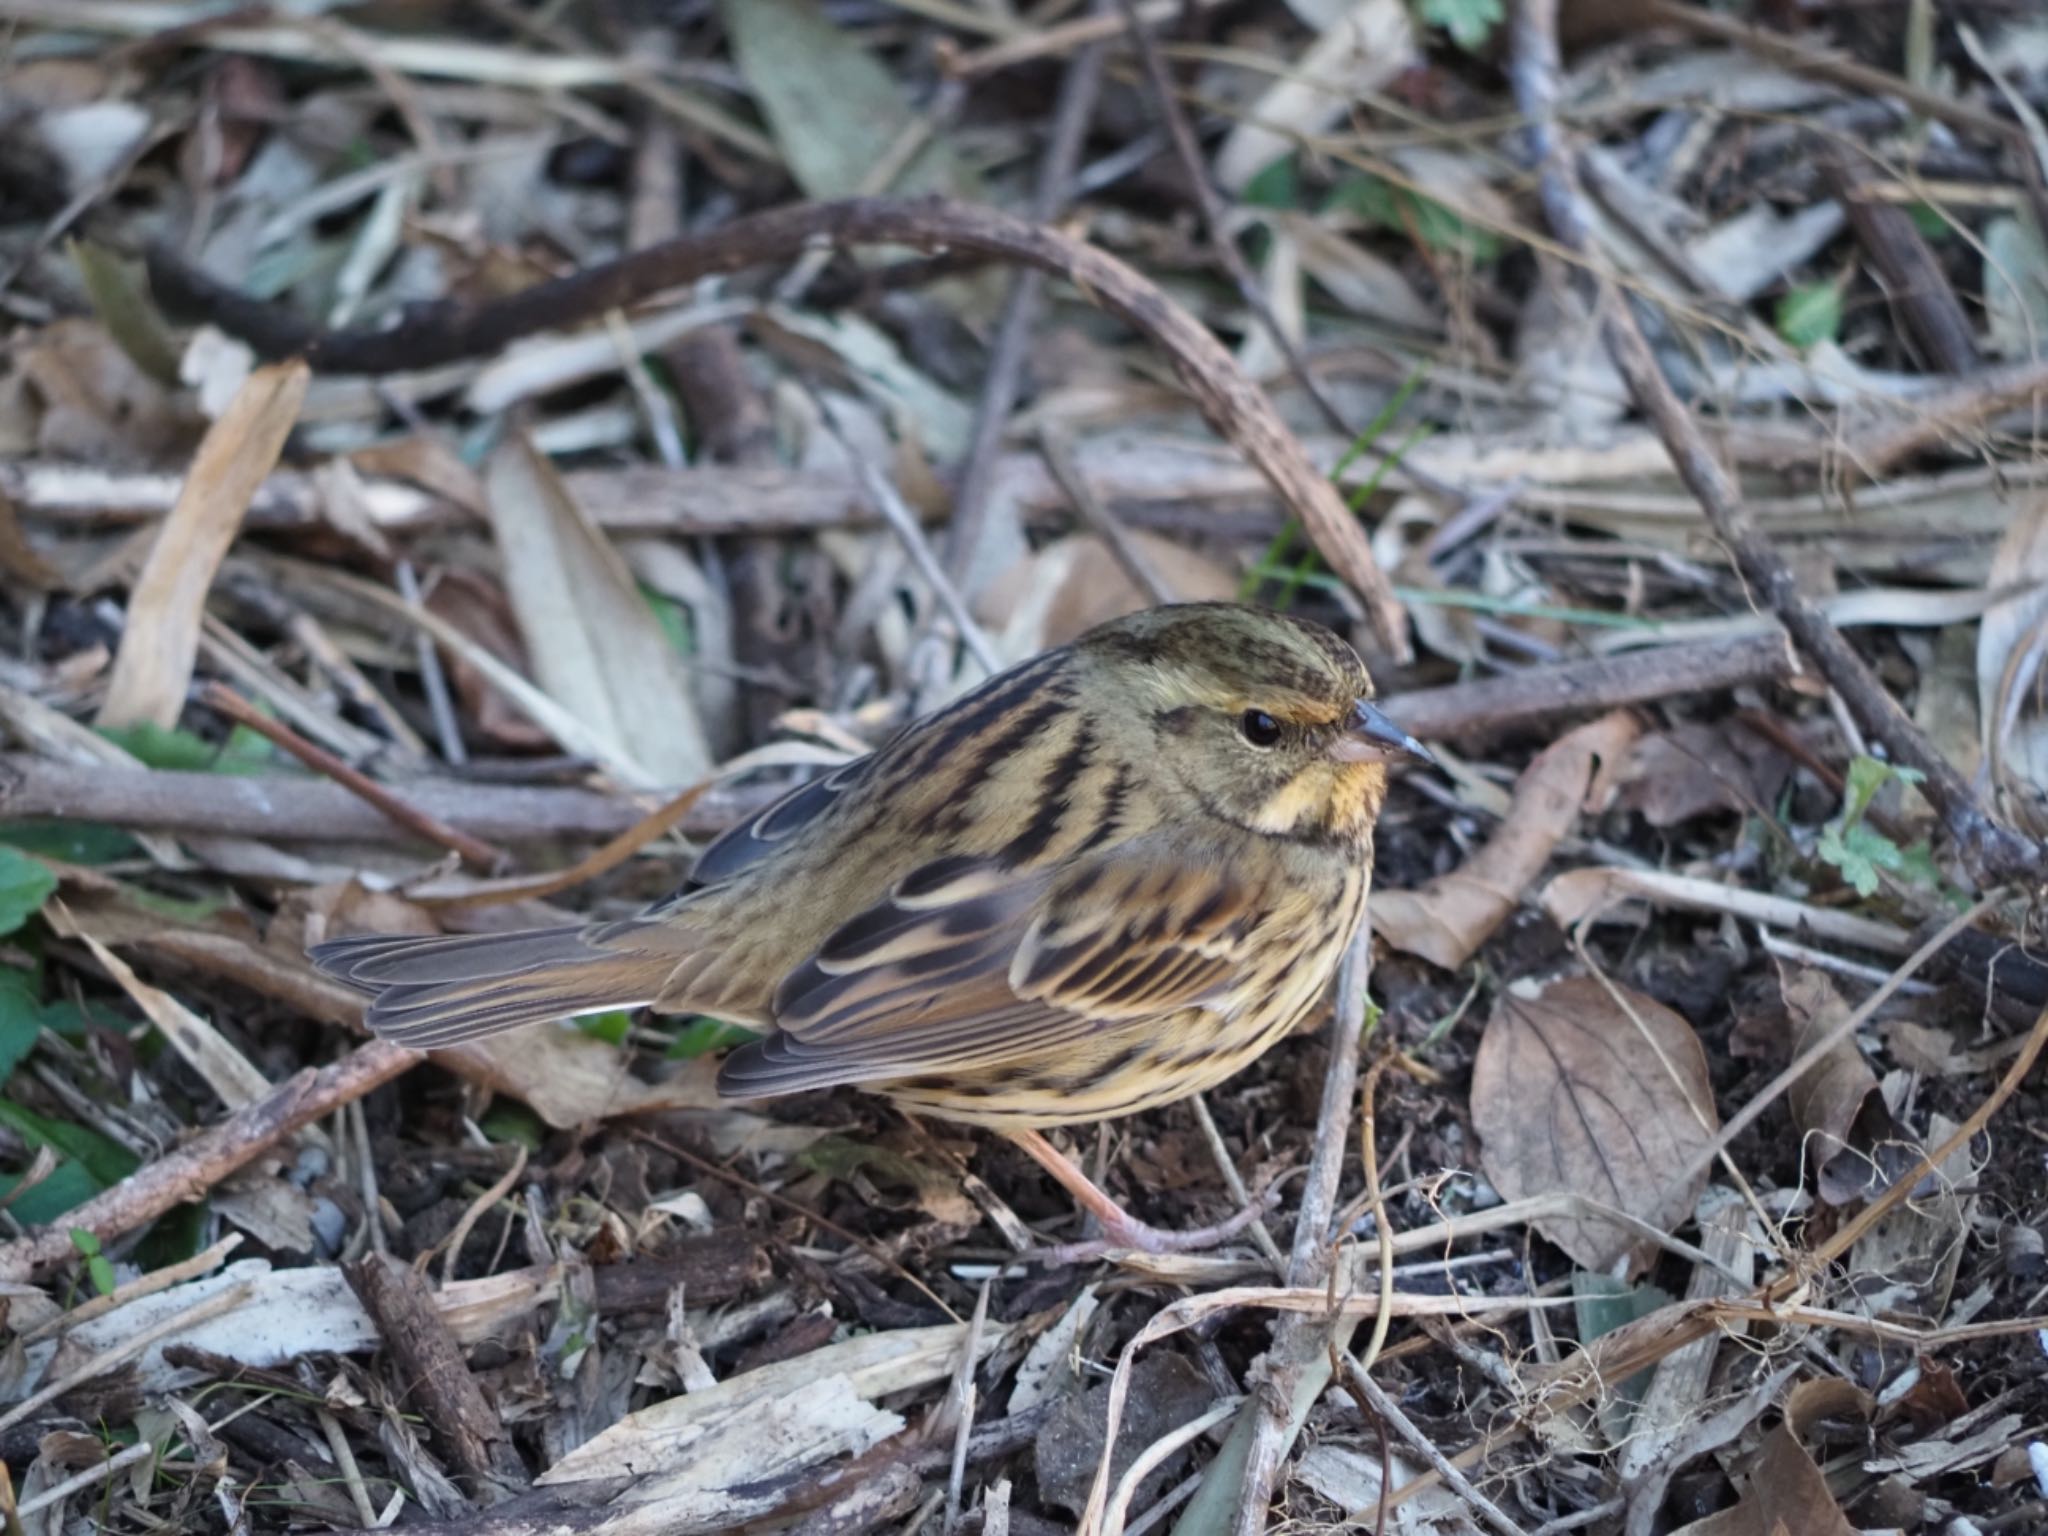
column 21, row 1020
column 1810, row 314
column 1928, row 220
column 1860, row 851
column 509, row 1120
column 612, row 1028
column 1469, row 22
column 1277, row 185
column 97, row 1269
column 1382, row 204
column 25, row 884
column 105, row 1161
column 700, row 1037
column 673, row 618
column 181, row 751
column 1603, row 1304
column 68, row 1187
column 75, row 842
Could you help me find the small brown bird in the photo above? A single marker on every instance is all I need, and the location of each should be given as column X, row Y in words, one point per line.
column 1101, row 881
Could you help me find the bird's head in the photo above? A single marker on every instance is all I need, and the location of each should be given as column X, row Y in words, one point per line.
column 1265, row 719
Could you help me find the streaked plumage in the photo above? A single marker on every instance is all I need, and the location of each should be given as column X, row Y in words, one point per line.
column 1103, row 880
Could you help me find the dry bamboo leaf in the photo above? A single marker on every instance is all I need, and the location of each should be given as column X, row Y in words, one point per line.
column 226, row 1070
column 1586, row 1088
column 153, row 667
column 837, row 113
column 569, row 1078
column 1447, row 920
column 661, row 1436
column 1357, row 54
column 597, row 648
column 1072, row 584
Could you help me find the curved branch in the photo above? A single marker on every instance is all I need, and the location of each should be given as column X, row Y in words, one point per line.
column 449, row 331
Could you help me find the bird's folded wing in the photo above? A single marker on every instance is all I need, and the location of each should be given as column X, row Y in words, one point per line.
column 967, row 964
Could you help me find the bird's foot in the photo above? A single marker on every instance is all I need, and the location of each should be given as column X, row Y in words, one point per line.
column 1124, row 1233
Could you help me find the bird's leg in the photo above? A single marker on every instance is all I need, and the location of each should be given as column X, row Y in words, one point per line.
column 1120, row 1228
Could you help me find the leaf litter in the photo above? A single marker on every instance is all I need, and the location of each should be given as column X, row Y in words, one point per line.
column 533, row 588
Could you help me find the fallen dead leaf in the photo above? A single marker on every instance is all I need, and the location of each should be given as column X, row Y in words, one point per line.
column 476, row 606
column 153, row 667
column 1784, row 1492
column 1447, row 920
column 597, row 648
column 1574, row 1092
column 226, row 1070
column 1696, row 770
column 1073, row 584
column 569, row 1078
column 1847, row 1133
column 1904, row 1268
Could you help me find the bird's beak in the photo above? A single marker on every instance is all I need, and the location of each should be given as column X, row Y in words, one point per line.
column 1370, row 737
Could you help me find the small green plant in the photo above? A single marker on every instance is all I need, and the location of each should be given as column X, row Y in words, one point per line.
column 1386, row 206
column 1810, row 314
column 97, row 1269
column 25, row 884
column 1468, row 22
column 1859, row 850
column 701, row 1036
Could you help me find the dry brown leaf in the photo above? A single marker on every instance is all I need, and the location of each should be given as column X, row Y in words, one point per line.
column 597, row 648
column 475, row 605
column 1847, row 1133
column 153, row 667
column 569, row 1078
column 1447, row 920
column 1572, row 1094
column 1695, row 770
column 73, row 394
column 226, row 1070
column 1073, row 584
column 426, row 462
column 1904, row 1268
column 1785, row 1492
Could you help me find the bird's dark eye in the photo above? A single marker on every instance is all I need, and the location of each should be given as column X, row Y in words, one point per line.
column 1260, row 728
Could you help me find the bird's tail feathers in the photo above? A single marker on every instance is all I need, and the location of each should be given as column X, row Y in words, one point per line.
column 443, row 990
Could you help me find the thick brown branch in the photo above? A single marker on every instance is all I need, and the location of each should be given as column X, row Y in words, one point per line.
column 273, row 806
column 219, row 697
column 310, row 810
column 433, row 1376
column 448, row 331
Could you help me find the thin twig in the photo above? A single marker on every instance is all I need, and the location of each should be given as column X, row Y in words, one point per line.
column 1079, row 87
column 1216, row 220
column 1993, row 853
column 1058, row 449
column 224, row 1300
column 1233, row 1181
column 903, row 523
column 226, row 701
column 1389, row 1411
column 962, row 1399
